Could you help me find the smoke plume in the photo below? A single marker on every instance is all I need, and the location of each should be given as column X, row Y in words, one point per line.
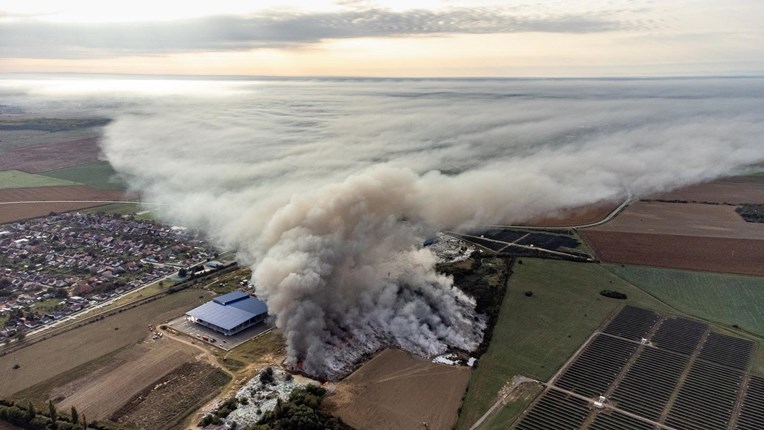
column 327, row 188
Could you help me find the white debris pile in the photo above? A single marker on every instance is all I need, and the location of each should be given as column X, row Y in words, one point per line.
column 449, row 359
column 452, row 359
column 449, row 249
column 261, row 393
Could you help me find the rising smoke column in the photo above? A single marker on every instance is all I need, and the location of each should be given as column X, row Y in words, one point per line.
column 343, row 266
column 327, row 190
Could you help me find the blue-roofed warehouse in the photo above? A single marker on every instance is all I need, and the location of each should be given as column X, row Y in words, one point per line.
column 230, row 313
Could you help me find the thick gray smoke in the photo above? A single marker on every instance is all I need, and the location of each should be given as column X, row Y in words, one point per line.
column 327, row 187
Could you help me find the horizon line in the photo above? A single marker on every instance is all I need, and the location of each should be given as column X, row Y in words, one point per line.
column 363, row 77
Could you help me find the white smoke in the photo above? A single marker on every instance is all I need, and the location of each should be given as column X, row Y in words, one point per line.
column 327, row 188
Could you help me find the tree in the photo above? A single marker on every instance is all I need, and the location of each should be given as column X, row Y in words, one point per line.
column 52, row 412
column 19, row 336
column 183, row 272
column 75, row 416
column 84, row 423
column 30, row 411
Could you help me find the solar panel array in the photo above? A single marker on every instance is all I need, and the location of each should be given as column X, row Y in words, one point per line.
column 726, row 350
column 650, row 382
column 683, row 377
column 617, row 421
column 679, row 335
column 632, row 323
column 597, row 366
column 707, row 398
column 556, row 410
column 750, row 416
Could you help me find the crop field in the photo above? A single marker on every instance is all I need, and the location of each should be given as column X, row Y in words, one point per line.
column 690, row 378
column 711, row 254
column 100, row 394
column 722, row 298
column 678, row 219
column 61, row 359
column 395, row 390
column 19, row 179
column 98, row 175
column 535, row 335
column 50, row 156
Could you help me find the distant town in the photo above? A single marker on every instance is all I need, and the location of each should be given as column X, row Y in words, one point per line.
column 61, row 264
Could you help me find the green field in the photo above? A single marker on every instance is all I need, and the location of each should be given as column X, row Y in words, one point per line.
column 19, row 179
column 535, row 335
column 721, row 298
column 98, row 175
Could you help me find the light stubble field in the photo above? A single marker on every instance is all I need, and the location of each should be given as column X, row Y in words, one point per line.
column 59, row 360
column 395, row 390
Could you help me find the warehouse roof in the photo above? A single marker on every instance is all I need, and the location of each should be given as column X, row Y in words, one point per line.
column 229, row 310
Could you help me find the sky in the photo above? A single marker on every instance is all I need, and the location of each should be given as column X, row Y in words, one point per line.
column 428, row 38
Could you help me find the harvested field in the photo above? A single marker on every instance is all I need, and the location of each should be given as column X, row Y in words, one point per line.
column 49, row 156
column 395, row 390
column 712, row 254
column 19, row 211
column 685, row 219
column 100, row 394
column 574, row 217
column 163, row 404
column 61, row 359
column 64, row 193
column 736, row 190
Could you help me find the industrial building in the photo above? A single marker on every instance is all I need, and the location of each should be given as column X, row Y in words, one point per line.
column 230, row 313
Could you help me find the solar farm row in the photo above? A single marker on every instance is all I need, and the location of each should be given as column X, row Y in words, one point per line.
column 597, row 366
column 750, row 416
column 672, row 371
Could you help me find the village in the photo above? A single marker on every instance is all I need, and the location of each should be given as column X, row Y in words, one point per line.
column 54, row 266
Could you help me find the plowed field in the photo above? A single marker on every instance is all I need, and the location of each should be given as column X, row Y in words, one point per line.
column 713, row 254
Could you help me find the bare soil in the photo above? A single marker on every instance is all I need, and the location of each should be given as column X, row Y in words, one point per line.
column 101, row 393
column 735, row 190
column 395, row 390
column 60, row 356
column 686, row 219
column 712, row 254
column 573, row 217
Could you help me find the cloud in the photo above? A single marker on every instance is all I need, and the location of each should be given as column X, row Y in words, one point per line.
column 40, row 39
column 327, row 188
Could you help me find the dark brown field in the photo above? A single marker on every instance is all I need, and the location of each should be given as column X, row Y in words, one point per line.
column 707, row 235
column 50, row 156
column 713, row 254
column 735, row 190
